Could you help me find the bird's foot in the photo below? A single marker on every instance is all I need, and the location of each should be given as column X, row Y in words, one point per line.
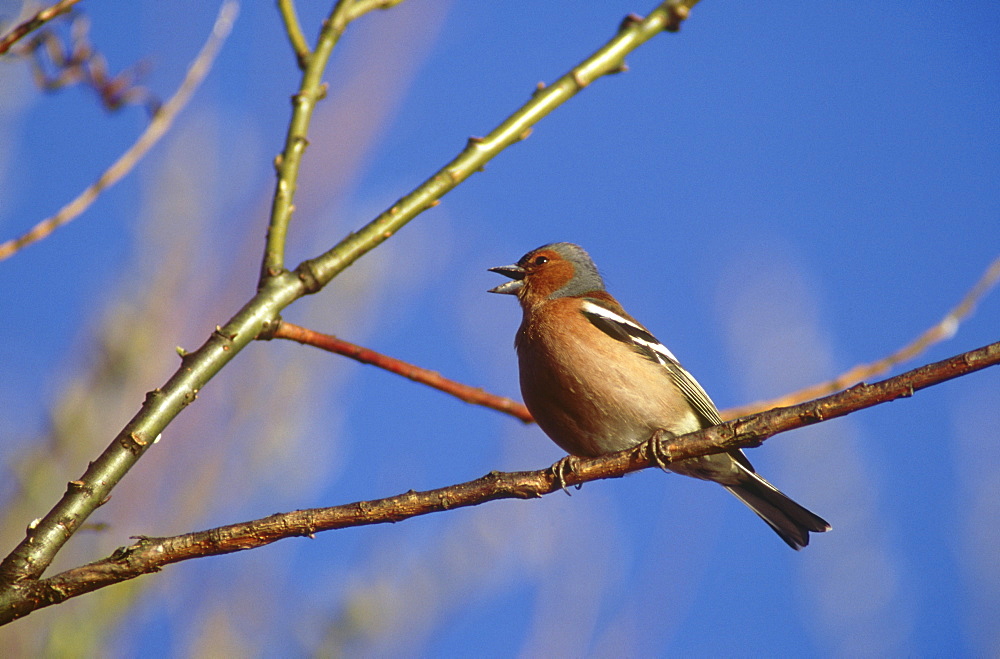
column 565, row 466
column 658, row 452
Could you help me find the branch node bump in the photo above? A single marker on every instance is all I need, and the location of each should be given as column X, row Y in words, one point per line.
column 678, row 14
column 629, row 21
column 269, row 328
column 308, row 277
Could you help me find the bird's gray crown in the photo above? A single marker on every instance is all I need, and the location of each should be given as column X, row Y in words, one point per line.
column 586, row 278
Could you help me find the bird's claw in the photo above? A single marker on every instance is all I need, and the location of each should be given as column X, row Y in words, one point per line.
column 657, row 452
column 560, row 469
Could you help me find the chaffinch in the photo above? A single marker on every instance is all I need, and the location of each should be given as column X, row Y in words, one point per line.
column 597, row 381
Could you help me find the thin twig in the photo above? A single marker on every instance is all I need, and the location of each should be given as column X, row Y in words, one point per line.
column 158, row 126
column 287, row 163
column 944, row 329
column 473, row 395
column 311, row 91
column 33, row 23
column 293, row 28
column 153, row 554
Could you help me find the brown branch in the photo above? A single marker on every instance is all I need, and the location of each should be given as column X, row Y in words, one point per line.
column 464, row 392
column 152, row 554
column 33, row 23
column 156, row 129
column 944, row 329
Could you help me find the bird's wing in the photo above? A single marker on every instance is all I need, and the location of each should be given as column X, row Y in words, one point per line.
column 637, row 337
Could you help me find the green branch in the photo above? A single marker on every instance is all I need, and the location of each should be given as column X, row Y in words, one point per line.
column 294, row 29
column 312, row 89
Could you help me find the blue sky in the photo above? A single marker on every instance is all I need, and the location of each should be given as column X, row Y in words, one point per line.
column 778, row 192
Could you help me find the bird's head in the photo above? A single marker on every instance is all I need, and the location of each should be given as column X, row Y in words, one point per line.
column 549, row 272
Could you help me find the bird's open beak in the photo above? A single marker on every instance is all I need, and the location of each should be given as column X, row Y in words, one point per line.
column 515, row 272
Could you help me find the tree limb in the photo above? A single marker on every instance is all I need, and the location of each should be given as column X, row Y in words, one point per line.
column 152, row 554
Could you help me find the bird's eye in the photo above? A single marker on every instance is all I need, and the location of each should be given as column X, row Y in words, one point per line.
column 541, row 260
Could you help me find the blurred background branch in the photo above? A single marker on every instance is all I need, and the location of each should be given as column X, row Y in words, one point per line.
column 940, row 331
column 38, row 20
column 158, row 126
column 57, row 65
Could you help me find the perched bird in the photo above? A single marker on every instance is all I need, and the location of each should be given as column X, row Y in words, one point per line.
column 597, row 381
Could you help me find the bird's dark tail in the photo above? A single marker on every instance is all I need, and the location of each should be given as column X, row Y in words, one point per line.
column 788, row 519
